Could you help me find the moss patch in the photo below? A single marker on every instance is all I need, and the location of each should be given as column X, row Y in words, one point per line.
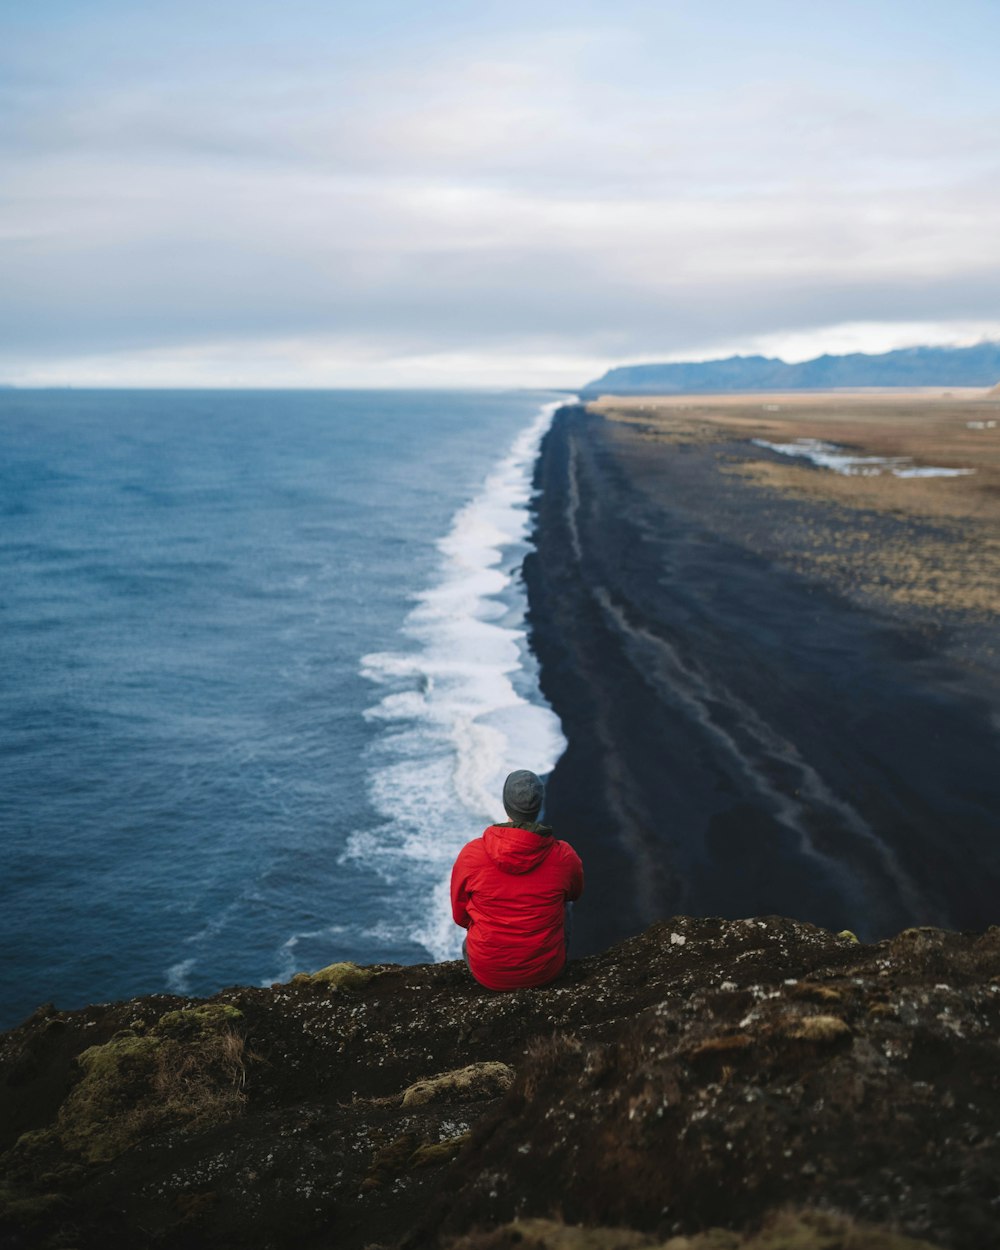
column 807, row 1230
column 345, row 976
column 22, row 1208
column 434, row 1153
column 389, row 1162
column 186, row 1071
column 478, row 1080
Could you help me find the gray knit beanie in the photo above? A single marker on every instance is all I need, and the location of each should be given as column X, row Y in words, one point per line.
column 522, row 795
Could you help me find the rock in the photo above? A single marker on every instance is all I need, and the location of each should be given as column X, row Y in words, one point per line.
column 478, row 1080
column 816, row 1028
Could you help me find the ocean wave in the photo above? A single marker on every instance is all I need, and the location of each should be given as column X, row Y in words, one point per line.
column 461, row 706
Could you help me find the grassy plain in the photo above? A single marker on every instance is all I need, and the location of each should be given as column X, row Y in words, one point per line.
column 944, row 551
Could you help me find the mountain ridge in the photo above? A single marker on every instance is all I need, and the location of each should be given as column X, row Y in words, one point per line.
column 978, row 365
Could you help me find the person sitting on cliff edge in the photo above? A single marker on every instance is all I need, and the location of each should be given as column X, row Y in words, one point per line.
column 512, row 889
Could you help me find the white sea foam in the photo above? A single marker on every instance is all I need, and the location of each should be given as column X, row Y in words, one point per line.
column 461, row 709
column 839, row 460
column 179, row 976
column 288, row 964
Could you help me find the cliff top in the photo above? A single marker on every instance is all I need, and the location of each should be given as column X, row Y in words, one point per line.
column 766, row 1078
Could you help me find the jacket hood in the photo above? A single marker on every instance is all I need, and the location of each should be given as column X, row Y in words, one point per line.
column 516, row 850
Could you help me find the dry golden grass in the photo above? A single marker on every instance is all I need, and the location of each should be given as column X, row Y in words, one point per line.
column 952, row 563
column 931, row 429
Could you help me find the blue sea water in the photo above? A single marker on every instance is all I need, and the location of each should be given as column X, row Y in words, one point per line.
column 263, row 668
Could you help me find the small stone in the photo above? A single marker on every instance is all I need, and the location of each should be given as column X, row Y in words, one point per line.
column 478, row 1080
column 817, row 1028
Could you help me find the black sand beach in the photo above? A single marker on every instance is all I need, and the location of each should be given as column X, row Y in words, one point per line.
column 745, row 739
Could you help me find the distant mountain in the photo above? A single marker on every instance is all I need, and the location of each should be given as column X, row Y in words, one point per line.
column 911, row 366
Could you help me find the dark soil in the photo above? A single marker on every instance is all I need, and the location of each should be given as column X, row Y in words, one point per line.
column 702, row 1074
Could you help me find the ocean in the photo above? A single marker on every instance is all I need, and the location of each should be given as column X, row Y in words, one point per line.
column 264, row 666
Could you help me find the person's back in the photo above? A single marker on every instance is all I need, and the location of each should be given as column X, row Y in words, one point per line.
column 509, row 889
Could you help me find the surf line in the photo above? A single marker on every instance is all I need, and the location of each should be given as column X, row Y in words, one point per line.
column 462, row 708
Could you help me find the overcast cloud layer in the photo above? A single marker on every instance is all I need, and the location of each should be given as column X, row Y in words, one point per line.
column 460, row 193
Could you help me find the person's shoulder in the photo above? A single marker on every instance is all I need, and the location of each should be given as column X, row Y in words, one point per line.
column 474, row 847
column 566, row 850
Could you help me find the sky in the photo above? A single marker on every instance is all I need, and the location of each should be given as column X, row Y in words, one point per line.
column 390, row 193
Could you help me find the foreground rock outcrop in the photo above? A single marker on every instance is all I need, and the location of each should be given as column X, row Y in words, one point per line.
column 707, row 1085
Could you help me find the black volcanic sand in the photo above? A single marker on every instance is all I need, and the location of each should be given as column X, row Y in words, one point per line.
column 742, row 739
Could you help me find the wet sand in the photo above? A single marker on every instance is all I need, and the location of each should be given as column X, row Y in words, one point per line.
column 780, row 687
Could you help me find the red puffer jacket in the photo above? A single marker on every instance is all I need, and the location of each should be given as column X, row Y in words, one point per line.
column 509, row 888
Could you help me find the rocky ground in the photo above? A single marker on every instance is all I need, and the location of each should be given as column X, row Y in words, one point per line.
column 707, row 1085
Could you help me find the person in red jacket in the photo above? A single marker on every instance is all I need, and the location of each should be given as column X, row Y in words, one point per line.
column 510, row 889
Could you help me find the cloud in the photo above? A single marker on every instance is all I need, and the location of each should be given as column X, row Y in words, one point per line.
column 571, row 188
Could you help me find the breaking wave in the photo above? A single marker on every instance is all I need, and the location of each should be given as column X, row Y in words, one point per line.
column 460, row 707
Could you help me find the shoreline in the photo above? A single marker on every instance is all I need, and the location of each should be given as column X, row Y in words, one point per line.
column 745, row 739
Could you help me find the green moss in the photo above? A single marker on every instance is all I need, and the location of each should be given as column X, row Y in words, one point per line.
column 433, row 1153
column 35, row 1141
column 185, row 1072
column 124, row 1053
column 850, row 937
column 403, row 1154
column 22, row 1208
column 191, row 1021
column 341, row 976
column 389, row 1162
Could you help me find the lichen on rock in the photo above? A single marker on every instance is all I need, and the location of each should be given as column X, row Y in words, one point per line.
column 478, row 1080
